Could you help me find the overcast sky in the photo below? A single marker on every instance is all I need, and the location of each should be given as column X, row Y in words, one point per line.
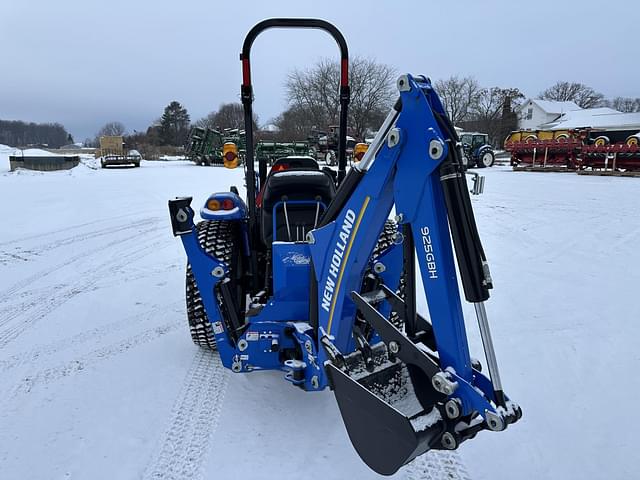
column 84, row 62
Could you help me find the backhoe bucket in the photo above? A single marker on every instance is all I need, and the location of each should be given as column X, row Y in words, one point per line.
column 386, row 423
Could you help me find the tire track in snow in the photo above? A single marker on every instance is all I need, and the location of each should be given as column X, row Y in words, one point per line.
column 26, row 299
column 64, row 230
column 65, row 291
column 32, row 356
column 194, row 417
column 27, row 254
column 72, row 367
column 45, row 304
column 25, row 282
column 436, row 465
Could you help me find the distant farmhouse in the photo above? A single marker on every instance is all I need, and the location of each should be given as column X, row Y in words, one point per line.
column 533, row 113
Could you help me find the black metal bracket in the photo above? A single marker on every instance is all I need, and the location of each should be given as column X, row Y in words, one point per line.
column 181, row 215
column 407, row 351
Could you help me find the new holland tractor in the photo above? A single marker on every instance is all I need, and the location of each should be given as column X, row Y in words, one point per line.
column 477, row 149
column 310, row 276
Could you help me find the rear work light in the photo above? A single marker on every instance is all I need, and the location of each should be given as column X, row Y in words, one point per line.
column 230, row 155
column 359, row 150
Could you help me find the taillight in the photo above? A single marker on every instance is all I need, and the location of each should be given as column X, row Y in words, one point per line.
column 227, row 204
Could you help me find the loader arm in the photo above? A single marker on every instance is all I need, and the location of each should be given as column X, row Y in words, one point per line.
column 414, row 165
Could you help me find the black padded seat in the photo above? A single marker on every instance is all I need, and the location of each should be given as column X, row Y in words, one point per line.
column 290, row 186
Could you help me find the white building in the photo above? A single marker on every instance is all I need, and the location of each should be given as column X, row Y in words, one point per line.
column 533, row 113
column 601, row 119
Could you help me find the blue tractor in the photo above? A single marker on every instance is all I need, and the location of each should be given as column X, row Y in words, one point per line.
column 310, row 276
column 477, row 150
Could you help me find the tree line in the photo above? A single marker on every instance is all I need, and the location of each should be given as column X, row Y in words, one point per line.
column 23, row 134
column 312, row 97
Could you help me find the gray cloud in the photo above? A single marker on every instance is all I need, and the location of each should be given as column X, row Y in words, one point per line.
column 84, row 63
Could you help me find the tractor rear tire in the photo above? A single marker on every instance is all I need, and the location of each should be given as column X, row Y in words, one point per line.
column 218, row 238
column 387, row 238
column 486, row 159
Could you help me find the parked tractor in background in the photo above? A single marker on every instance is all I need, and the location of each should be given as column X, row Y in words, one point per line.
column 113, row 151
column 478, row 152
column 324, row 145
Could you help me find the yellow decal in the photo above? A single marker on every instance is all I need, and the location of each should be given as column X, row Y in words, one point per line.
column 344, row 262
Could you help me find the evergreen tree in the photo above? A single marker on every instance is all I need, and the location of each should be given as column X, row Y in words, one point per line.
column 174, row 125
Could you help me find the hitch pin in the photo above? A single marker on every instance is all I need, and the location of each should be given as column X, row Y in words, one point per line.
column 489, row 353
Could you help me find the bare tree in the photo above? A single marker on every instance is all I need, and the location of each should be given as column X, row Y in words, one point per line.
column 207, row 122
column 459, row 96
column 111, row 129
column 581, row 94
column 293, row 124
column 313, row 94
column 624, row 104
column 230, row 115
column 315, row 91
column 493, row 114
column 372, row 94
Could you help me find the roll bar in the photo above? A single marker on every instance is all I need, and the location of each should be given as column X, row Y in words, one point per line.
column 247, row 96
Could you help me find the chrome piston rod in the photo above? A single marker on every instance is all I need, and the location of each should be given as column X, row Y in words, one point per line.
column 489, row 352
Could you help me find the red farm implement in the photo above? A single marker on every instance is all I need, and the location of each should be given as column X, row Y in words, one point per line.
column 558, row 154
column 622, row 159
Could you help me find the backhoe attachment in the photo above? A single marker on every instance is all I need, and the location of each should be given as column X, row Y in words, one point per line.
column 405, row 391
column 405, row 405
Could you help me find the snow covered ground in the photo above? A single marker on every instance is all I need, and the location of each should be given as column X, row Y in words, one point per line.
column 99, row 379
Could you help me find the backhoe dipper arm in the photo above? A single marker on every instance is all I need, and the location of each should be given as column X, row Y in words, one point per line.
column 413, row 164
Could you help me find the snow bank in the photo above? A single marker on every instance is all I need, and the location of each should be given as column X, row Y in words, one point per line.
column 38, row 152
column 5, row 152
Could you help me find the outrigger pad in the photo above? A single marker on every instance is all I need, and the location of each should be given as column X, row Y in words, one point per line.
column 383, row 436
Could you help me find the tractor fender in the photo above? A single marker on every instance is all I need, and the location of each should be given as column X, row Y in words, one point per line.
column 211, row 210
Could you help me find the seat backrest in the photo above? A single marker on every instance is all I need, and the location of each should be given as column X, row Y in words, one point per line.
column 302, row 191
